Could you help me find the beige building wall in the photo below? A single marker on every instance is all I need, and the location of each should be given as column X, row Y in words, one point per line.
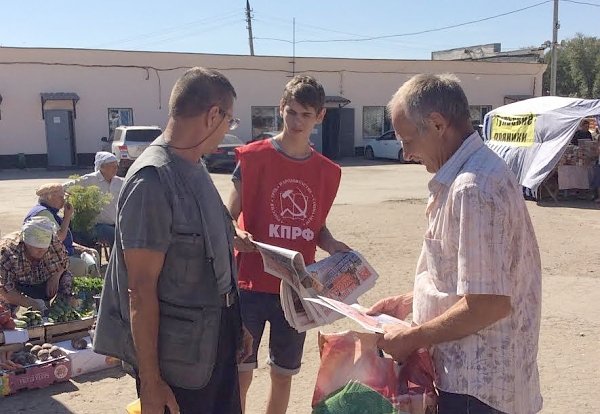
column 143, row 80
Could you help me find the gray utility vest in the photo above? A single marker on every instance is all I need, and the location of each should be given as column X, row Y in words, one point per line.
column 190, row 303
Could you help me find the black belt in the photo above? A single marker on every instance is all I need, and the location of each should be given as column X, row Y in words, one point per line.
column 229, row 298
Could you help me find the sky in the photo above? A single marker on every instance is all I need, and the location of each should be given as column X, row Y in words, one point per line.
column 220, row 27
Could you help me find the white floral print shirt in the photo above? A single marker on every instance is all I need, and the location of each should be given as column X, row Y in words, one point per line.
column 480, row 240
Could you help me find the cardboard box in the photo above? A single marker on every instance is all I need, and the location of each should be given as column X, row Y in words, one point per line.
column 37, row 376
column 86, row 360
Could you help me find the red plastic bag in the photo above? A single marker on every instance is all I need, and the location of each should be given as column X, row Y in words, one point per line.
column 353, row 357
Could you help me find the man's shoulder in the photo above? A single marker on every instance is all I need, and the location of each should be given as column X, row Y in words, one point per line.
column 484, row 170
column 257, row 147
column 326, row 162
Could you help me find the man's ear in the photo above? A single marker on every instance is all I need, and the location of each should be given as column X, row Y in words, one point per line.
column 321, row 115
column 213, row 117
column 438, row 123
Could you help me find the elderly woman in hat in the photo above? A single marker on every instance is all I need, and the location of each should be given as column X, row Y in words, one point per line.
column 33, row 265
column 105, row 178
column 51, row 199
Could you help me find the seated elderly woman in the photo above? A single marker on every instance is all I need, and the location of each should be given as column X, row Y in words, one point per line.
column 33, row 265
column 105, row 178
column 51, row 198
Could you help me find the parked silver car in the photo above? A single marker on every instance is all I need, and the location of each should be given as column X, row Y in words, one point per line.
column 129, row 142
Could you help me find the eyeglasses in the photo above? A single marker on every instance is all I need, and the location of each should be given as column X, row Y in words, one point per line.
column 232, row 123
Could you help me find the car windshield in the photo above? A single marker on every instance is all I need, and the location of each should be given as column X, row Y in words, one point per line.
column 231, row 140
column 142, row 135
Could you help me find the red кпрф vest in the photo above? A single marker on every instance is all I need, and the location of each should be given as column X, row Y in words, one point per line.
column 285, row 202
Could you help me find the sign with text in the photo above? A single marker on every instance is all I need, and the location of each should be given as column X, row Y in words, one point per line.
column 513, row 130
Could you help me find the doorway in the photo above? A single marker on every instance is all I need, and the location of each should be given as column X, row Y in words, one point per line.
column 60, row 138
column 338, row 133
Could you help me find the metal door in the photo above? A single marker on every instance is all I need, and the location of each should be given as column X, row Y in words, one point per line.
column 347, row 132
column 59, row 138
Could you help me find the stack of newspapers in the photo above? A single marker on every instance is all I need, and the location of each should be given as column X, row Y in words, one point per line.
column 342, row 277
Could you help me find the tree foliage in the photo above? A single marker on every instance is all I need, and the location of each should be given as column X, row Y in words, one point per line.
column 578, row 68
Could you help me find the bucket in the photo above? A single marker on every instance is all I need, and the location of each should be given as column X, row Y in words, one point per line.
column 134, row 407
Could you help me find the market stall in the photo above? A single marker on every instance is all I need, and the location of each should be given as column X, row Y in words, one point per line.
column 38, row 349
column 534, row 135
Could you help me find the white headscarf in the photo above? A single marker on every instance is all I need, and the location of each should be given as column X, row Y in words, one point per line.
column 38, row 232
column 102, row 158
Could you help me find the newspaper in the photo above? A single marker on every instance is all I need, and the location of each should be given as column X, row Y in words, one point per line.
column 373, row 323
column 342, row 277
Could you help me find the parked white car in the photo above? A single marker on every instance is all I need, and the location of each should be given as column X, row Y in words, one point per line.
column 129, row 142
column 384, row 146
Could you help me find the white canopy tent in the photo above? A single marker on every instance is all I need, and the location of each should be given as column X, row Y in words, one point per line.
column 532, row 135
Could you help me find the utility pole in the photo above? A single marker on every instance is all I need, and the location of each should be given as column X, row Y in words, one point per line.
column 553, row 62
column 294, row 48
column 249, row 27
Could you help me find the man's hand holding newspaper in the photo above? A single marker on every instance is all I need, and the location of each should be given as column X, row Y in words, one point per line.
column 309, row 294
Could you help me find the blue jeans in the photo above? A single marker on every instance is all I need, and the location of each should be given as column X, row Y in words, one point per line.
column 449, row 403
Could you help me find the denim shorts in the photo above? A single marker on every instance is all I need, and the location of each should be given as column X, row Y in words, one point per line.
column 285, row 343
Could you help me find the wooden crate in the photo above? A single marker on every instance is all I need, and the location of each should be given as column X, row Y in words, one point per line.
column 69, row 330
column 37, row 336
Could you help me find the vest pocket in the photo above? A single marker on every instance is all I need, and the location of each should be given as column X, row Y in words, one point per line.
column 187, row 346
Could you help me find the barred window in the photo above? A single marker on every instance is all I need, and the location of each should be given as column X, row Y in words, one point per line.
column 375, row 121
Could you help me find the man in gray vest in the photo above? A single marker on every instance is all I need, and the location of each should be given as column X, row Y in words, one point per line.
column 169, row 305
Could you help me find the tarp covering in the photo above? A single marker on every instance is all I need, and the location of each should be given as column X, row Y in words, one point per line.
column 532, row 135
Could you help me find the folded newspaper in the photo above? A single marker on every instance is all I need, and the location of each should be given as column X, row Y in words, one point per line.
column 342, row 277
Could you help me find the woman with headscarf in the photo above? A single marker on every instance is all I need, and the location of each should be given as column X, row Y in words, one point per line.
column 105, row 178
column 51, row 199
column 33, row 265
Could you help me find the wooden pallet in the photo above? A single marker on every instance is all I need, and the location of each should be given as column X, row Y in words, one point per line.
column 69, row 330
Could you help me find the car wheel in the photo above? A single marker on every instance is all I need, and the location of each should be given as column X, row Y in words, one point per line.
column 401, row 156
column 369, row 154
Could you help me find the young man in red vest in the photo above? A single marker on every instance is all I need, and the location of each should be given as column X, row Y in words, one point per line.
column 283, row 199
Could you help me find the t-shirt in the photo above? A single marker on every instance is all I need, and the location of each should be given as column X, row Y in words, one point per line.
column 145, row 218
column 237, row 172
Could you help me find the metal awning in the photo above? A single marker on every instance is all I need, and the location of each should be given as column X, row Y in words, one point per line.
column 337, row 100
column 60, row 96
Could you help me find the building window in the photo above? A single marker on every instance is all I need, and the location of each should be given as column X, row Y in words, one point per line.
column 478, row 113
column 118, row 117
column 265, row 119
column 375, row 121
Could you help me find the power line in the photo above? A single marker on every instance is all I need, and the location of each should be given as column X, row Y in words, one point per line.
column 220, row 24
column 437, row 29
column 582, row 2
column 169, row 30
column 429, row 30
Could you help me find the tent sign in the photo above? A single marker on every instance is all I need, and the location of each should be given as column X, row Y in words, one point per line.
column 513, row 130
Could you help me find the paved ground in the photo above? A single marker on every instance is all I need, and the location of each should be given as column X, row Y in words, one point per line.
column 380, row 212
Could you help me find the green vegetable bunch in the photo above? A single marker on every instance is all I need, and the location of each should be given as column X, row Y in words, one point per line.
column 87, row 202
column 92, row 285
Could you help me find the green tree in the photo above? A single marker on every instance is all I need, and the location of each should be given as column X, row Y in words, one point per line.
column 578, row 68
